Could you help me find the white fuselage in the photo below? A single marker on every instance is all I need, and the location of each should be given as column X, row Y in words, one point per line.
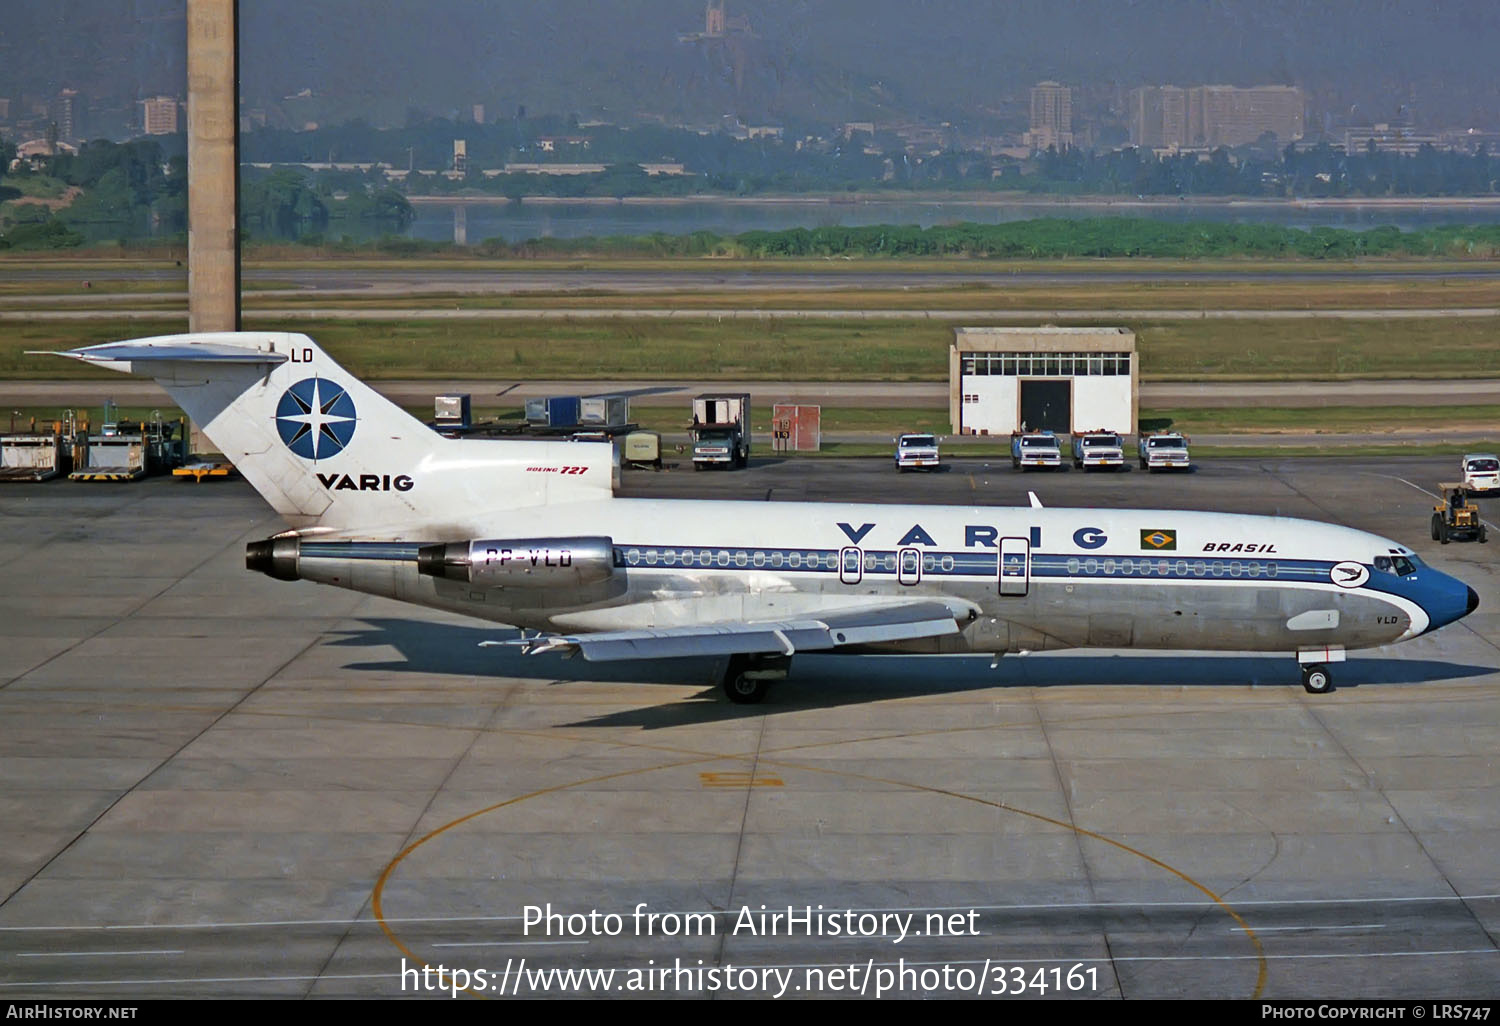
column 1031, row 578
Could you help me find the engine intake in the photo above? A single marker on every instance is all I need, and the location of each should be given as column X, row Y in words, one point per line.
column 521, row 562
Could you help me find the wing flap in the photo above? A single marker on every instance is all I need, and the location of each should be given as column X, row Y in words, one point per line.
column 785, row 637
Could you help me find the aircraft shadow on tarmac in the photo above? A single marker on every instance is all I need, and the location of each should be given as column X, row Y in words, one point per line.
column 827, row 681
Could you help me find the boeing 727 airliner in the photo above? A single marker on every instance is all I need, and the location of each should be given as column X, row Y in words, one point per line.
column 530, row 534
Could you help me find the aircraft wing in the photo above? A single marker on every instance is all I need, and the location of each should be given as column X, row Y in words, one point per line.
column 898, row 622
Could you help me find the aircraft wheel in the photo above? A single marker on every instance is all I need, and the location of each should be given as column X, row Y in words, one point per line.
column 1316, row 679
column 739, row 687
column 741, row 690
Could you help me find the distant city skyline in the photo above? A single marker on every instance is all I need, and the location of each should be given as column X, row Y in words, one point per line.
column 769, row 62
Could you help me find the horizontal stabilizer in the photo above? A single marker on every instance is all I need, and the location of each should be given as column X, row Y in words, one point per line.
column 784, row 637
column 174, row 349
column 329, row 452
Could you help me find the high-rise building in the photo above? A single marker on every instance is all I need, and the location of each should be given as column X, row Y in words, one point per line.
column 66, row 111
column 1227, row 116
column 1170, row 117
column 1051, row 116
column 159, row 115
column 1158, row 117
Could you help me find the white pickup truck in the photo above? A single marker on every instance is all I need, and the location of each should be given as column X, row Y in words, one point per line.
column 917, row 452
column 1032, row 450
column 1165, row 450
column 1481, row 473
column 1093, row 449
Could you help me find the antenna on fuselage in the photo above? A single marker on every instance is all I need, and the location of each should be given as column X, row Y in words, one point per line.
column 1035, row 502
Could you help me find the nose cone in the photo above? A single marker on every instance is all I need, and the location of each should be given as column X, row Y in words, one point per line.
column 1449, row 600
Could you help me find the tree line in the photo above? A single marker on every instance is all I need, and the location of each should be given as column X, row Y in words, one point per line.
column 1039, row 239
column 130, row 192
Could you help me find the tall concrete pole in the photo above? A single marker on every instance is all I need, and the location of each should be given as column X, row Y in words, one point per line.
column 213, row 165
column 213, row 74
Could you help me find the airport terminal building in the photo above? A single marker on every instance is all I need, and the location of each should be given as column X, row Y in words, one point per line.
column 1059, row 379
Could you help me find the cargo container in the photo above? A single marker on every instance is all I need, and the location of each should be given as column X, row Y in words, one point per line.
column 558, row 411
column 452, row 411
column 604, row 410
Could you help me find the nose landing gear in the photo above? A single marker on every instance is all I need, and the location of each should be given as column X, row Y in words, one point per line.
column 1316, row 679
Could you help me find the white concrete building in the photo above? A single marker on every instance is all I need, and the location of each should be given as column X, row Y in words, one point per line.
column 1058, row 379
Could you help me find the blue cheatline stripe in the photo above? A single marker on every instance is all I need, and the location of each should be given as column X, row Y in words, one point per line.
column 884, row 562
column 972, row 563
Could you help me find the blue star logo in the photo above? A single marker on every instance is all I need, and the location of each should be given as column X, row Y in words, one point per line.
column 315, row 419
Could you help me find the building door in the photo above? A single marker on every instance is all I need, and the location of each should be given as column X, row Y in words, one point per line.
column 1047, row 405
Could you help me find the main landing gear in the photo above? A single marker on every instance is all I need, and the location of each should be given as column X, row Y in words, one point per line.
column 1316, row 679
column 747, row 678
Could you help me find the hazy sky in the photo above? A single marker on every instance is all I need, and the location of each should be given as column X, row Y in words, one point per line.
column 379, row 57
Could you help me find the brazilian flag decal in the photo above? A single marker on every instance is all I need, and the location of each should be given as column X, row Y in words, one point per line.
column 1159, row 539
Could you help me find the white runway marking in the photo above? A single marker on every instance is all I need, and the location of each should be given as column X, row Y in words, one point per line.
column 1286, row 929
column 506, row 944
column 92, row 954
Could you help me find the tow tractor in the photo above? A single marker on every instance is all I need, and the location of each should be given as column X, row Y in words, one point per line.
column 1456, row 518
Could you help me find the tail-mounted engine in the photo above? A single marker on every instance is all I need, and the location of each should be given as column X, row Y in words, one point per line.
column 561, row 563
column 521, row 562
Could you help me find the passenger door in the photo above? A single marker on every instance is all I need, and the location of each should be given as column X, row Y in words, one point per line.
column 1015, row 566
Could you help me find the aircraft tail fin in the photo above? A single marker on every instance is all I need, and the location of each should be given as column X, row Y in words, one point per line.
column 327, row 451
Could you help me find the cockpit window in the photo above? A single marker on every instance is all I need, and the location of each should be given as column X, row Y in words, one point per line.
column 1401, row 566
